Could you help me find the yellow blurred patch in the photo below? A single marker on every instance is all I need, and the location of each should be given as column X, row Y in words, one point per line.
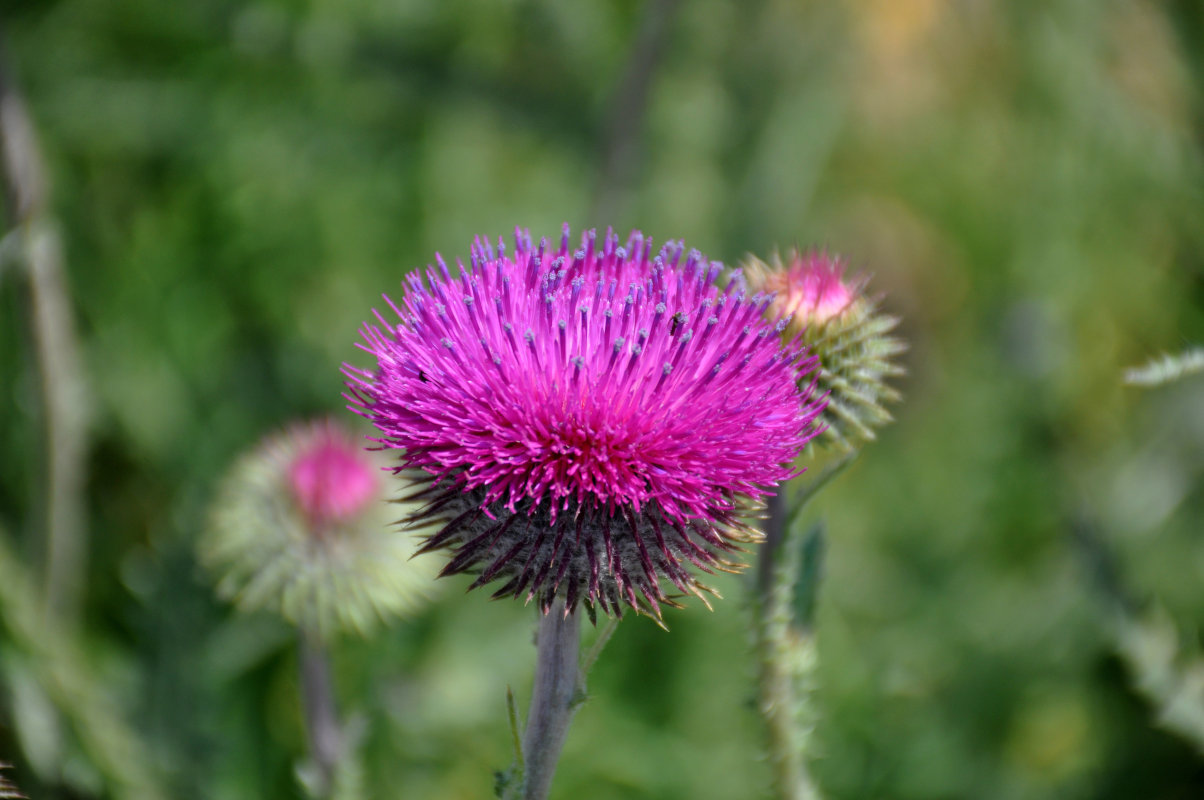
column 892, row 28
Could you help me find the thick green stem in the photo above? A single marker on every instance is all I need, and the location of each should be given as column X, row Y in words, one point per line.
column 786, row 659
column 557, row 693
column 786, row 583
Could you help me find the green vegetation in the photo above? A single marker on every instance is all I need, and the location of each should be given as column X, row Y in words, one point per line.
column 235, row 183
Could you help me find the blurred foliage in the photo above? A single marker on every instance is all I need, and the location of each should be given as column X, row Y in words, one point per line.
column 46, row 672
column 237, row 182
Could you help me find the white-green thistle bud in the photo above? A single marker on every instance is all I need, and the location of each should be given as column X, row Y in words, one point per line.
column 301, row 527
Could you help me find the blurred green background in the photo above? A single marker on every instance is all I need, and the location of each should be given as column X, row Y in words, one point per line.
column 236, row 183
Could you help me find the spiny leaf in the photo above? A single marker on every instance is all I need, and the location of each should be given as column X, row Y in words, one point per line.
column 1167, row 369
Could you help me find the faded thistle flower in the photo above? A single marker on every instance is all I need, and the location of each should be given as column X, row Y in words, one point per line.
column 842, row 326
column 301, row 526
column 589, row 422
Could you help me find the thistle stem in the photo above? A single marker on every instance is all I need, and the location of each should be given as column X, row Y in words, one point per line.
column 786, row 661
column 321, row 715
column 557, row 693
column 786, row 582
column 775, row 532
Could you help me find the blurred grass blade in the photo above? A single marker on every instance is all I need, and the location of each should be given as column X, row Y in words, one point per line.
column 515, row 728
column 66, row 404
column 507, row 782
column 64, row 675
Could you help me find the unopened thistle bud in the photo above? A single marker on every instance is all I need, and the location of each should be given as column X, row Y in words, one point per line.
column 301, row 526
column 842, row 326
column 589, row 422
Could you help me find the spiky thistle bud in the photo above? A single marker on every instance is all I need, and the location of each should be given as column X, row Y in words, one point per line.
column 301, row 527
column 843, row 328
column 590, row 422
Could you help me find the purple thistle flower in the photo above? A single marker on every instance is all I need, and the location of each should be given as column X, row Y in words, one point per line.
column 588, row 422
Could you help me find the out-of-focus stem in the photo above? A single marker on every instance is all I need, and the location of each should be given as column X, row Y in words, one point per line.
column 625, row 114
column 64, row 395
column 787, row 572
column 321, row 714
column 557, row 693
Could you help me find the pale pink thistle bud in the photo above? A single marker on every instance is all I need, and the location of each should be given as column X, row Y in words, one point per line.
column 812, row 291
column 331, row 478
column 841, row 325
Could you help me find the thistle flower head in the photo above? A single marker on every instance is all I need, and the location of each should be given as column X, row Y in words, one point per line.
column 842, row 326
column 589, row 421
column 301, row 526
column 331, row 480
